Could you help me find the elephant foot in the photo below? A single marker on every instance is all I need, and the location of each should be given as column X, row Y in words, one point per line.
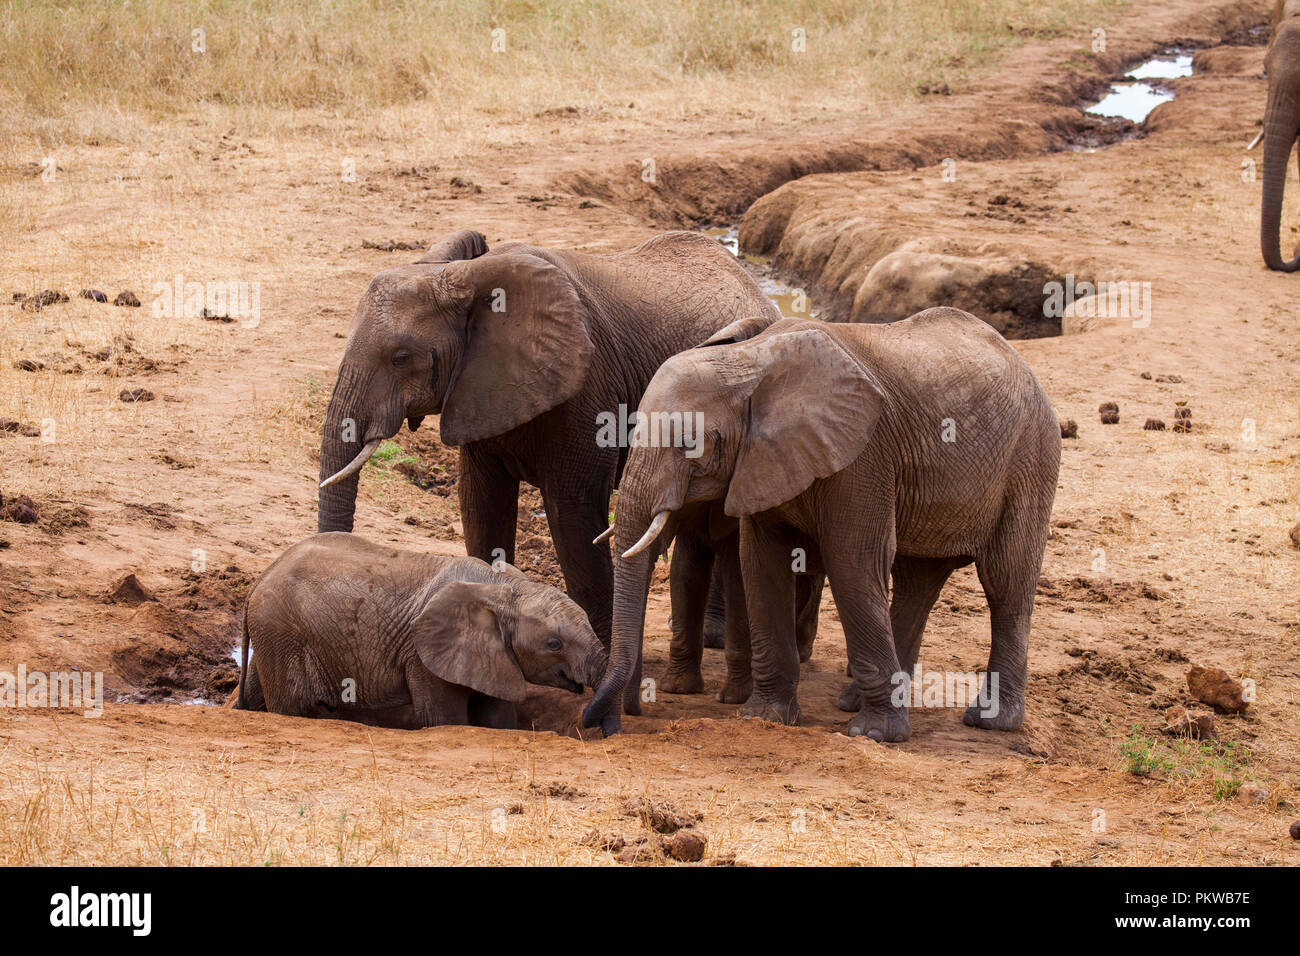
column 1005, row 713
column 683, row 680
column 850, row 699
column 885, row 724
column 805, row 654
column 736, row 690
column 778, row 712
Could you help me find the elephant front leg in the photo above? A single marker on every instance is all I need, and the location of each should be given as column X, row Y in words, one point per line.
column 489, row 506
column 715, row 613
column 765, row 560
column 436, row 703
column 688, row 578
column 588, row 570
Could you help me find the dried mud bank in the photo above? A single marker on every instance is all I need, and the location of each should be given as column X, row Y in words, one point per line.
column 1000, row 239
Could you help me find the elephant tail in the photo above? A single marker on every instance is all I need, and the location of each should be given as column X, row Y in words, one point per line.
column 243, row 668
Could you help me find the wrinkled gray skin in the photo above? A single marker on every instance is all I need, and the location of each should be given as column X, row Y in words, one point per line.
column 518, row 349
column 426, row 639
column 1281, row 127
column 829, row 438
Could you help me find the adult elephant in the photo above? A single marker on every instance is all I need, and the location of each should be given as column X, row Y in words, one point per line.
column 520, row 349
column 1281, row 126
column 902, row 450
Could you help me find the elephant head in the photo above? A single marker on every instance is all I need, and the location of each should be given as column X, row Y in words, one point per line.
column 774, row 412
column 487, row 341
column 1281, row 126
column 494, row 636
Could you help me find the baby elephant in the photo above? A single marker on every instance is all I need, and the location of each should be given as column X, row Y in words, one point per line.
column 345, row 628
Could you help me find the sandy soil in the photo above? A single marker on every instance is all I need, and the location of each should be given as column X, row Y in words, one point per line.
column 1168, row 548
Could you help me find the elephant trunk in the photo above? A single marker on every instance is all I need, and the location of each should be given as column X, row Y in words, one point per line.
column 341, row 441
column 631, row 585
column 1281, row 124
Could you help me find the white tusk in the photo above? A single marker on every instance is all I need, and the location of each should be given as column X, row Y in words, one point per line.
column 1255, row 142
column 356, row 464
column 604, row 535
column 648, row 538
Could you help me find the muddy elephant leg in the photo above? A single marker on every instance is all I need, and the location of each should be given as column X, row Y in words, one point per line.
column 739, row 683
column 588, row 570
column 715, row 614
column 484, row 711
column 489, row 506
column 916, row 583
column 808, row 600
column 434, row 701
column 765, row 555
column 1008, row 571
column 689, row 578
column 859, row 579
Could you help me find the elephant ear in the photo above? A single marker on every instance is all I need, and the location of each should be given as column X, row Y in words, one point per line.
column 465, row 244
column 811, row 414
column 460, row 637
column 738, row 331
column 528, row 345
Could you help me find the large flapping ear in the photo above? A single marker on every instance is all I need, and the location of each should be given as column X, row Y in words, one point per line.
column 738, row 331
column 465, row 244
column 811, row 414
column 528, row 346
column 460, row 637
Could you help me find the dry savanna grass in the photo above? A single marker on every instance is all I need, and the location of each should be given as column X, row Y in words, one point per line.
column 465, row 73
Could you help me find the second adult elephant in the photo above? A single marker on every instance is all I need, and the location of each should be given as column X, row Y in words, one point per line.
column 900, row 451
column 1281, row 128
column 521, row 350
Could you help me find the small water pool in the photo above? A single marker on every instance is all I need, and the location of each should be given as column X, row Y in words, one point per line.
column 1135, row 101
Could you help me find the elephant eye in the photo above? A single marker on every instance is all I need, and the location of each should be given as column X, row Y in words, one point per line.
column 401, row 357
column 554, row 644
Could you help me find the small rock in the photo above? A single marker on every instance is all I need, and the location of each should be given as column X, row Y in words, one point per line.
column 613, row 842
column 135, row 395
column 1295, row 536
column 127, row 298
column 1171, row 379
column 686, row 846
column 1182, row 722
column 19, row 428
column 1109, row 412
column 1252, row 794
column 21, row 509
column 1154, row 425
column 94, row 295
column 1182, row 425
column 1295, row 830
column 29, row 365
column 1213, row 686
column 128, row 590
column 1069, row 428
column 662, row 818
column 1147, row 376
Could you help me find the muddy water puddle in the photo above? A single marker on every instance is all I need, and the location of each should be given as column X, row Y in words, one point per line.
column 1134, row 101
column 792, row 302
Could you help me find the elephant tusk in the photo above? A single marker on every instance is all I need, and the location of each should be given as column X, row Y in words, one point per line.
column 604, row 535
column 356, row 464
column 648, row 538
column 1255, row 142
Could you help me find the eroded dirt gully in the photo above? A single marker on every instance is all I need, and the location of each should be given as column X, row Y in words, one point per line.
column 1167, row 548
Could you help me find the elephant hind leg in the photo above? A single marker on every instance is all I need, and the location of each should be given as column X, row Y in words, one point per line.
column 254, row 699
column 1008, row 571
column 808, row 605
column 689, row 577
